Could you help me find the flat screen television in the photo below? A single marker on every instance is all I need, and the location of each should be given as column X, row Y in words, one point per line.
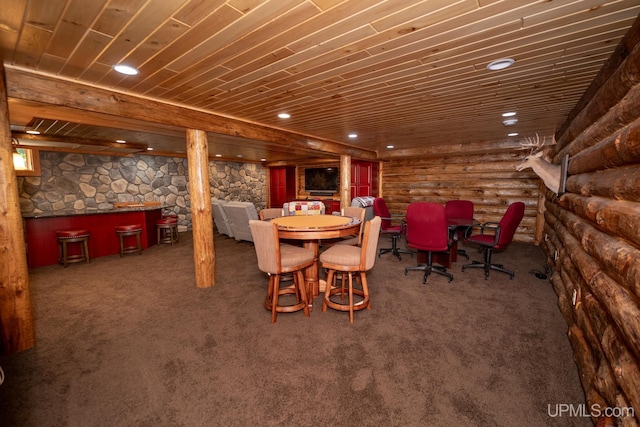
column 321, row 180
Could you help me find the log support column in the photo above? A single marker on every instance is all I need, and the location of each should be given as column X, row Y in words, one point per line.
column 345, row 181
column 17, row 331
column 201, row 211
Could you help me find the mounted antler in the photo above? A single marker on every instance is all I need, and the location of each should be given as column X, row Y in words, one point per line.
column 536, row 145
column 549, row 173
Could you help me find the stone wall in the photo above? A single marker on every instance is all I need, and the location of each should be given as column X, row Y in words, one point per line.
column 76, row 183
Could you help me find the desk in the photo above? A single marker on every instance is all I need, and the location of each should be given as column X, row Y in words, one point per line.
column 445, row 259
column 310, row 229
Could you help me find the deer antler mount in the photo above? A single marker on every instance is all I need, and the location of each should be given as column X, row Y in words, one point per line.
column 550, row 174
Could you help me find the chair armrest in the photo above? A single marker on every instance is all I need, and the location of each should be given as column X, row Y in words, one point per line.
column 487, row 226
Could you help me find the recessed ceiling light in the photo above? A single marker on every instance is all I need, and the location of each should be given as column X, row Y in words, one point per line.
column 353, row 135
column 33, row 132
column 263, row 160
column 500, row 64
column 149, row 148
column 509, row 122
column 512, row 134
column 239, row 156
column 390, row 146
column 218, row 155
column 120, row 141
column 126, row 69
column 509, row 114
column 284, row 115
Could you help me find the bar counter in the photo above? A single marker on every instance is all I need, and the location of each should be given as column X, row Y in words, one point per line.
column 40, row 230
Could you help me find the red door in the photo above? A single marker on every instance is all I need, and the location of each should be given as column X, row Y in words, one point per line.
column 278, row 186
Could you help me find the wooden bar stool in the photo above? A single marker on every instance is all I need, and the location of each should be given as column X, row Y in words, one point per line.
column 73, row 236
column 167, row 230
column 124, row 231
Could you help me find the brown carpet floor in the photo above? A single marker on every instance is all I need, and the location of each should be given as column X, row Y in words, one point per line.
column 132, row 342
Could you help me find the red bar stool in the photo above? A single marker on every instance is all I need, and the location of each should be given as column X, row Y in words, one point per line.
column 73, row 236
column 167, row 230
column 124, row 231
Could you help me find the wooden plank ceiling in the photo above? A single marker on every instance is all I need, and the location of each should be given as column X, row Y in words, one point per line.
column 405, row 73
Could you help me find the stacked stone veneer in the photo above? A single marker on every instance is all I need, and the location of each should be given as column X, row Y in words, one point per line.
column 80, row 183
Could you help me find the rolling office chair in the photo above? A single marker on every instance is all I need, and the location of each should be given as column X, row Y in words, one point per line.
column 380, row 209
column 427, row 231
column 492, row 236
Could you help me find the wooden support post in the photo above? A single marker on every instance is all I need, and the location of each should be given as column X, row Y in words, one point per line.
column 17, row 331
column 345, row 181
column 201, row 211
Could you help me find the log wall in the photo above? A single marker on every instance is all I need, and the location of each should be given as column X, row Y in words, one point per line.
column 592, row 235
column 491, row 182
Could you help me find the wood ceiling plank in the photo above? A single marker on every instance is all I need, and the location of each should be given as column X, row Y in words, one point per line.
column 239, row 34
column 84, row 54
column 95, row 72
column 304, row 82
column 138, row 30
column 585, row 8
column 466, row 25
column 245, row 6
column 196, row 10
column 11, row 17
column 74, row 23
column 115, row 16
column 44, row 13
column 167, row 33
column 51, row 64
column 197, row 35
column 206, row 83
column 297, row 15
column 423, row 15
column 341, row 20
column 31, row 46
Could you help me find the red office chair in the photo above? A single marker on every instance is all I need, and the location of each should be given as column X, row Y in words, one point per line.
column 427, row 231
column 459, row 209
column 380, row 209
column 498, row 237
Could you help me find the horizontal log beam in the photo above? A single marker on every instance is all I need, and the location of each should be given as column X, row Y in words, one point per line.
column 130, row 146
column 615, row 256
column 619, row 149
column 617, row 217
column 620, row 183
column 55, row 91
column 601, row 101
column 619, row 303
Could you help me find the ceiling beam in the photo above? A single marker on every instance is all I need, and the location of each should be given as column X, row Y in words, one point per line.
column 129, row 146
column 50, row 90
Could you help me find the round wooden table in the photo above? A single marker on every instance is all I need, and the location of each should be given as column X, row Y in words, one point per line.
column 311, row 229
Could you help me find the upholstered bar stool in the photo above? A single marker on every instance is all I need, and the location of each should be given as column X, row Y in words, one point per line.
column 125, row 231
column 167, row 230
column 66, row 237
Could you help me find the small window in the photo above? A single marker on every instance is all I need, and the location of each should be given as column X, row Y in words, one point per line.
column 30, row 163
